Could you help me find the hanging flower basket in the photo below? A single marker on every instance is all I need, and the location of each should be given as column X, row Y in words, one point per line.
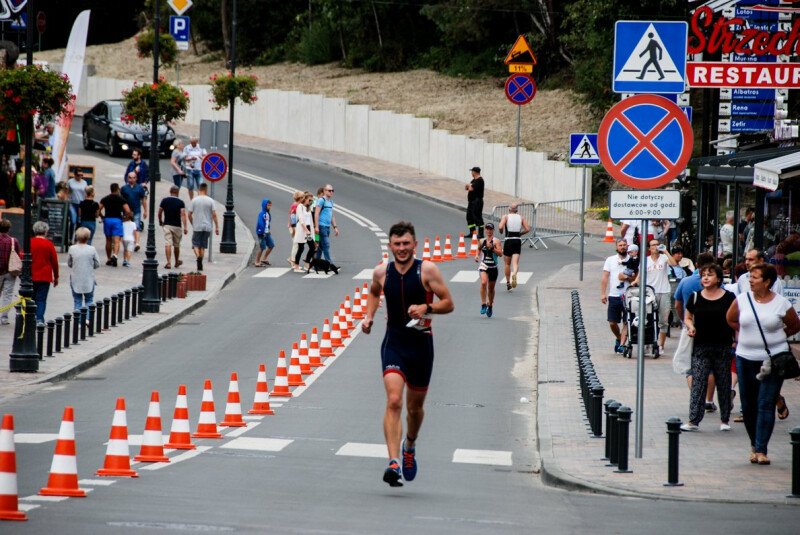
column 26, row 91
column 229, row 87
column 167, row 48
column 161, row 100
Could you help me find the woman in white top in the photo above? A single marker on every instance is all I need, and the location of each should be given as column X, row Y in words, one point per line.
column 304, row 234
column 778, row 320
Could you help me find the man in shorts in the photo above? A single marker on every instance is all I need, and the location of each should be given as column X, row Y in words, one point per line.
column 193, row 155
column 409, row 286
column 112, row 207
column 611, row 292
column 487, row 267
column 135, row 196
column 172, row 218
column 513, row 226
column 202, row 215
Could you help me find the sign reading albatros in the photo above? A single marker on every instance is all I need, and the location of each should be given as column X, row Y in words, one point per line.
column 645, row 204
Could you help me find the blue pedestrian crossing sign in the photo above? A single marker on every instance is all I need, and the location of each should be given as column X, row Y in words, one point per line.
column 583, row 149
column 649, row 57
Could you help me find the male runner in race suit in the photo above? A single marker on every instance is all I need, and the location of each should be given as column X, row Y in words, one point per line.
column 407, row 349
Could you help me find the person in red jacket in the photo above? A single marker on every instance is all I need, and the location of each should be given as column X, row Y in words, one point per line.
column 44, row 267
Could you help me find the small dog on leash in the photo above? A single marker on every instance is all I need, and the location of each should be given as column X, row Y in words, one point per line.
column 320, row 264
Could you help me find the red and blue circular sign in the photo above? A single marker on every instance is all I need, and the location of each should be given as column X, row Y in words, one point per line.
column 214, row 167
column 645, row 141
column 520, row 89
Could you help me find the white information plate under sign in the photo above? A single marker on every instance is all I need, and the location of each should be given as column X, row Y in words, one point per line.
column 645, row 204
column 765, row 178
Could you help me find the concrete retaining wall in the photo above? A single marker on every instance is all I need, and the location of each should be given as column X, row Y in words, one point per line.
column 334, row 124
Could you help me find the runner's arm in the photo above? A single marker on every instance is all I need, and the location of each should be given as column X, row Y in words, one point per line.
column 373, row 297
column 432, row 280
column 498, row 247
column 525, row 227
column 502, row 225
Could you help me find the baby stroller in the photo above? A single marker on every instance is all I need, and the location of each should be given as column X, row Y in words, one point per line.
column 648, row 330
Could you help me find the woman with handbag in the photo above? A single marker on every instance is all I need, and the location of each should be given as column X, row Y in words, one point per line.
column 763, row 320
column 705, row 320
column 10, row 267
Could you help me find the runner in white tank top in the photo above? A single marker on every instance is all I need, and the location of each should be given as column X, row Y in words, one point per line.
column 514, row 226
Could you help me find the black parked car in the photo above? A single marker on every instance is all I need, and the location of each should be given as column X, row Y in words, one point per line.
column 103, row 127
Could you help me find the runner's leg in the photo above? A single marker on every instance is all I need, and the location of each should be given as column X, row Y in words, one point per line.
column 392, row 426
column 415, row 400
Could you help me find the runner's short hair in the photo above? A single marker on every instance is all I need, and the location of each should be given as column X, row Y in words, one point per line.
column 402, row 227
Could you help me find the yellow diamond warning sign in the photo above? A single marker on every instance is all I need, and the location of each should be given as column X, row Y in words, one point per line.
column 520, row 53
column 179, row 6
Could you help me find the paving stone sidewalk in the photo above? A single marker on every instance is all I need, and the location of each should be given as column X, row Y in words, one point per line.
column 714, row 466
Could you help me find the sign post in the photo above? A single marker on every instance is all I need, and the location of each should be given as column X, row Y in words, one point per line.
column 214, row 168
column 520, row 87
column 583, row 152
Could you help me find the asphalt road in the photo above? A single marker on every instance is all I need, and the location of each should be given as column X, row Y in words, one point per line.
column 290, row 473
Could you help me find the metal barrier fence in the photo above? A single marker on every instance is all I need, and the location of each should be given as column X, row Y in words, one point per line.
column 559, row 219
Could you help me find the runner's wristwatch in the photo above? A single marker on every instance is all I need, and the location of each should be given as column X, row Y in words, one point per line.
column 428, row 308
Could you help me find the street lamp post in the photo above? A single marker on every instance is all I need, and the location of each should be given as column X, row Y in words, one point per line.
column 24, row 357
column 228, row 242
column 151, row 301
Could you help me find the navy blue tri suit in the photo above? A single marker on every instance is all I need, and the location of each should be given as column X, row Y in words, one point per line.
column 406, row 350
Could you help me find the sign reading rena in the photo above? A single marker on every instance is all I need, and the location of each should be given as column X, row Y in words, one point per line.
column 645, row 204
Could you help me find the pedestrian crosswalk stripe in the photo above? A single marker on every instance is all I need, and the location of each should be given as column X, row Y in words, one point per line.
column 522, row 277
column 136, row 440
column 272, row 273
column 27, row 506
column 321, row 275
column 364, row 274
column 466, row 276
column 34, row 438
column 360, row 449
column 257, row 444
column 98, row 482
column 239, row 431
column 185, row 456
column 490, row 457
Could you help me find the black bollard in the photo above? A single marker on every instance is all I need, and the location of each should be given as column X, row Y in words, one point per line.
column 134, row 300
column 673, row 432
column 607, row 403
column 140, row 301
column 106, row 312
column 164, row 287
column 795, row 442
column 114, row 299
column 611, row 431
column 76, row 326
column 59, row 326
column 623, row 434
column 51, row 327
column 120, row 306
column 92, row 314
column 84, row 320
column 67, row 331
column 173, row 285
column 99, row 317
column 40, row 340
column 127, row 304
column 597, row 410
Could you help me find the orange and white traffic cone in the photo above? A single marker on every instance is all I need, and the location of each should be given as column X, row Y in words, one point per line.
column 358, row 311
column 336, row 333
column 426, row 249
column 233, row 408
column 280, row 388
column 385, row 259
column 9, row 499
column 302, row 356
column 345, row 332
column 261, row 400
column 63, row 480
column 180, row 433
column 326, row 346
column 364, row 295
column 207, row 423
column 118, row 456
column 313, row 350
column 348, row 312
column 461, row 252
column 152, row 450
column 473, row 246
column 609, row 232
column 447, row 255
column 437, row 250
column 295, row 374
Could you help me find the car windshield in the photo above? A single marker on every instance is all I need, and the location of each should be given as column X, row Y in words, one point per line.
column 115, row 112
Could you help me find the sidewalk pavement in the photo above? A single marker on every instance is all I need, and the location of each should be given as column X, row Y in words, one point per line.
column 714, row 465
column 111, row 280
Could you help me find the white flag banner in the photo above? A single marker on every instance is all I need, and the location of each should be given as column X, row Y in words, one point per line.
column 73, row 68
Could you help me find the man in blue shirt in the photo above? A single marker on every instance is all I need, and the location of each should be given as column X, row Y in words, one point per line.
column 324, row 220
column 134, row 195
column 47, row 170
column 138, row 166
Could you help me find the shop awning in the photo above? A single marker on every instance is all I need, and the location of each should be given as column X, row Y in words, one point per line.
column 768, row 173
column 737, row 167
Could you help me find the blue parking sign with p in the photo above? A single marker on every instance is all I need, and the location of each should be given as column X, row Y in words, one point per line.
column 179, row 29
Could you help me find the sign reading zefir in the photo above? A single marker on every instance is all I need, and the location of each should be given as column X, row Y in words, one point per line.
column 645, row 204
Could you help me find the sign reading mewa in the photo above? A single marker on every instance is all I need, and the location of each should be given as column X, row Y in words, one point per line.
column 710, row 34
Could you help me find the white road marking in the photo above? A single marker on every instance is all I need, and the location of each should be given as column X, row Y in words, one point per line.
column 27, row 506
column 274, row 404
column 254, row 417
column 98, row 482
column 522, row 277
column 178, row 458
column 241, row 430
column 34, row 438
column 360, row 449
column 364, row 274
column 318, row 275
column 379, row 233
column 272, row 273
column 490, row 457
column 309, row 380
column 384, row 241
column 466, row 276
column 136, row 440
column 375, row 228
column 257, row 444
